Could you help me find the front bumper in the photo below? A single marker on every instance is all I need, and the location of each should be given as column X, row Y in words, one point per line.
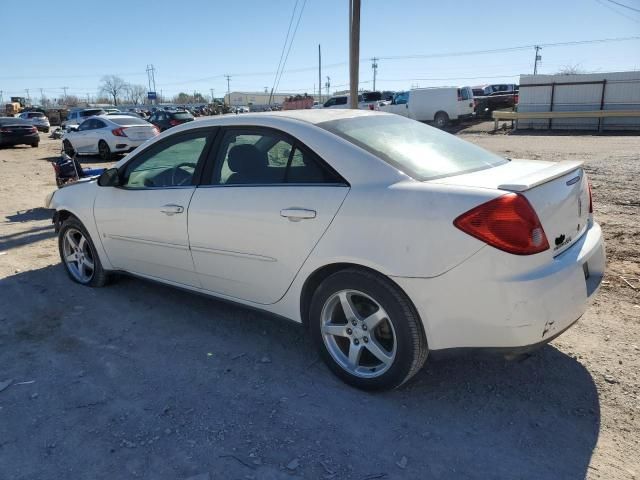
column 487, row 303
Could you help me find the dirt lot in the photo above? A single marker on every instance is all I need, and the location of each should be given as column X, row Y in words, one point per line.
column 138, row 380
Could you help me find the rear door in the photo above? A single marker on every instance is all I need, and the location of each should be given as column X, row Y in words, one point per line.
column 465, row 102
column 267, row 201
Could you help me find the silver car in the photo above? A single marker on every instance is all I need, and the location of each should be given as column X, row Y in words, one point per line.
column 38, row 120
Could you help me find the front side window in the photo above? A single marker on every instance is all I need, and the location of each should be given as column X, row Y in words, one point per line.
column 420, row 151
column 170, row 166
column 267, row 158
column 402, row 98
column 341, row 101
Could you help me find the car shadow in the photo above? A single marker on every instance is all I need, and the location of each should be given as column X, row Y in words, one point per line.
column 243, row 392
column 32, row 214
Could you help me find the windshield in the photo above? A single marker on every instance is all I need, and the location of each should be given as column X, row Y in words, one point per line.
column 129, row 121
column 416, row 149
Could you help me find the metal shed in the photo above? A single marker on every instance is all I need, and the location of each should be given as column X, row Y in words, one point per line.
column 577, row 93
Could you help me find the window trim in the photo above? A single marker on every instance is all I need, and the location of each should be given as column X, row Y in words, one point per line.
column 213, row 165
column 211, row 134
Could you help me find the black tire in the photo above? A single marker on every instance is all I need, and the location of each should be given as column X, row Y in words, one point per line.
column 46, row 130
column 34, row 145
column 411, row 342
column 104, row 151
column 68, row 148
column 441, row 119
column 100, row 276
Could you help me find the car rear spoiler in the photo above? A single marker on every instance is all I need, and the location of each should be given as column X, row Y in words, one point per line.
column 545, row 175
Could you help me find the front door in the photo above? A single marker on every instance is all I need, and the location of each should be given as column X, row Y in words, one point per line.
column 143, row 223
column 268, row 202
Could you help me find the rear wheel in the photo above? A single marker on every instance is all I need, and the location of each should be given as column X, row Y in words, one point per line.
column 79, row 256
column 441, row 119
column 104, row 151
column 34, row 145
column 367, row 330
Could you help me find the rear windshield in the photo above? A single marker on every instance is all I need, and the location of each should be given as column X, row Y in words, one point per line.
column 91, row 113
column 182, row 115
column 371, row 96
column 420, row 151
column 129, row 121
column 36, row 115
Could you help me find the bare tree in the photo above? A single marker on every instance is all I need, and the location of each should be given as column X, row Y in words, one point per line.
column 71, row 101
column 136, row 93
column 113, row 86
column 570, row 70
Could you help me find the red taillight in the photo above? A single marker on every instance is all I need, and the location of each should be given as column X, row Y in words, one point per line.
column 156, row 130
column 119, row 132
column 590, row 198
column 173, row 123
column 508, row 223
column 34, row 130
column 516, row 97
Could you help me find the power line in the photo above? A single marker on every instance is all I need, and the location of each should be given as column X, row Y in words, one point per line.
column 616, row 11
column 293, row 36
column 624, row 6
column 284, row 46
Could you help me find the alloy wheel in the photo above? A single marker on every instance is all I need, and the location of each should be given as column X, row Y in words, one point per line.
column 358, row 333
column 77, row 255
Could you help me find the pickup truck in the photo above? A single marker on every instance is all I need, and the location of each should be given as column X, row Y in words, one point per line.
column 488, row 98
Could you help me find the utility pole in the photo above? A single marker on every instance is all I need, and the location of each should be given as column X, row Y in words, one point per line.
column 538, row 59
column 228, row 77
column 354, row 50
column 319, row 75
column 374, row 65
column 88, row 99
column 65, row 94
column 328, row 85
column 1, row 99
column 28, row 100
column 212, row 97
column 42, row 97
column 151, row 79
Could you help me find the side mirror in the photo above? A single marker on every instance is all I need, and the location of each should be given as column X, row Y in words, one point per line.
column 109, row 178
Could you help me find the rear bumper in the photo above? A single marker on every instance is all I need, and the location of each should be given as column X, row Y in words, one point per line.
column 485, row 303
column 20, row 140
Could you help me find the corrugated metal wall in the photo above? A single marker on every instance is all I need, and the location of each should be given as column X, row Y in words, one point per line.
column 621, row 92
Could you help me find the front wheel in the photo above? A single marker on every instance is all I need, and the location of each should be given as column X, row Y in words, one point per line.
column 366, row 330
column 79, row 256
column 68, row 148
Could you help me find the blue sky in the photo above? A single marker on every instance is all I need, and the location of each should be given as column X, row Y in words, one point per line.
column 192, row 44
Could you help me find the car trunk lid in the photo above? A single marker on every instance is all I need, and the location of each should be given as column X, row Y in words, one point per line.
column 142, row 132
column 558, row 192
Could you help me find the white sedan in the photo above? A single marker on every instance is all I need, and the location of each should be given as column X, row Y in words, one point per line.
column 385, row 237
column 107, row 135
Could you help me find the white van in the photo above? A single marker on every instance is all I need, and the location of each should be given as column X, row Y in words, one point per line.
column 439, row 105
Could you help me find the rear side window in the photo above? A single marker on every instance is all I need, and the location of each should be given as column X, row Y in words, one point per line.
column 465, row 93
column 182, row 115
column 420, row 151
column 267, row 158
column 341, row 101
column 91, row 113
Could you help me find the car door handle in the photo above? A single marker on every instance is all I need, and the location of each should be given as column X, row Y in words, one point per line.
column 297, row 214
column 171, row 209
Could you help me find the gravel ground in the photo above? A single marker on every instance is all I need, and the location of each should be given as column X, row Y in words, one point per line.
column 138, row 380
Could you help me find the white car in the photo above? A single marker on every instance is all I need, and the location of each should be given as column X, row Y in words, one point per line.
column 78, row 115
column 107, row 135
column 385, row 237
column 37, row 119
